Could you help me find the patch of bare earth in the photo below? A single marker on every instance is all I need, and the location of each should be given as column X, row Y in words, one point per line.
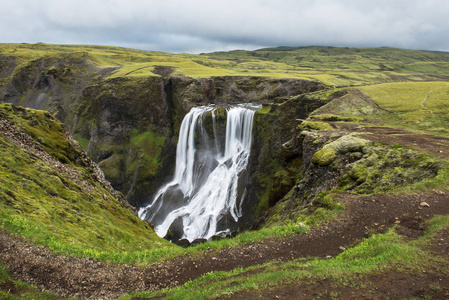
column 388, row 285
column 433, row 145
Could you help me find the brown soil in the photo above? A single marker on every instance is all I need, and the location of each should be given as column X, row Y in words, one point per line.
column 430, row 144
column 389, row 285
column 433, row 145
column 85, row 278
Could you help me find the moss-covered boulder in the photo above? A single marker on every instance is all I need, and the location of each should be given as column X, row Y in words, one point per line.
column 384, row 168
column 315, row 125
column 343, row 145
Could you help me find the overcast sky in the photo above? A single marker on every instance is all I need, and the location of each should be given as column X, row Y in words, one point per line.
column 194, row 26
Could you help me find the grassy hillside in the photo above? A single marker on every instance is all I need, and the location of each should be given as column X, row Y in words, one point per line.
column 346, row 66
column 51, row 192
column 330, row 65
column 421, row 105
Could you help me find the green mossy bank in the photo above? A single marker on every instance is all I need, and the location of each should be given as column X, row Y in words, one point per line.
column 56, row 196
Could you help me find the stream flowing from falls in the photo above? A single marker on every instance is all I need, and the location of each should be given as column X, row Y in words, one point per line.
column 205, row 197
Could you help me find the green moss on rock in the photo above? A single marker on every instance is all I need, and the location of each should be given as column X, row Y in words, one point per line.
column 112, row 167
column 44, row 128
column 283, row 182
column 384, row 168
column 343, row 145
column 334, row 118
column 265, row 109
column 315, row 125
column 148, row 147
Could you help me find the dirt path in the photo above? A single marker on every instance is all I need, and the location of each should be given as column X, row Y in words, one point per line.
column 423, row 104
column 391, row 284
column 85, row 278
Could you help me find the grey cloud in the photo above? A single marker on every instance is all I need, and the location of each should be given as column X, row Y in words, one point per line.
column 201, row 26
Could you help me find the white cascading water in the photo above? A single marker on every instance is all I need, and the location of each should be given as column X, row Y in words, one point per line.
column 205, row 197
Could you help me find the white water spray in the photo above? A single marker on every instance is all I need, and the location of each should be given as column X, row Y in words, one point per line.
column 206, row 194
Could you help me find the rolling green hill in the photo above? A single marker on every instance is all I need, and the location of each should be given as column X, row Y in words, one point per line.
column 345, row 66
column 330, row 65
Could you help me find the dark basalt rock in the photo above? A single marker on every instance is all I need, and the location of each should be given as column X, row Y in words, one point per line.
column 176, row 231
column 198, row 241
column 186, row 243
column 182, row 242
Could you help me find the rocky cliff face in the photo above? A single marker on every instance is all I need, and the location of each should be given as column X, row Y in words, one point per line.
column 54, row 83
column 129, row 125
column 132, row 124
column 274, row 166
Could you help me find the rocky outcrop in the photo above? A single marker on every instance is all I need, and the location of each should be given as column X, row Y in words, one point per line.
column 316, row 163
column 238, row 89
column 273, row 170
column 54, row 82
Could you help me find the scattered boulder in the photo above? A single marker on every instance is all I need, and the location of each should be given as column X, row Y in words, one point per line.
column 198, row 241
column 343, row 145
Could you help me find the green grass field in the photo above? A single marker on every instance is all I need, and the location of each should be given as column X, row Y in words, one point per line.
column 421, row 105
column 332, row 66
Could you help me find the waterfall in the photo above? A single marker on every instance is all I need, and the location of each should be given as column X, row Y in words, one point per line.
column 205, row 197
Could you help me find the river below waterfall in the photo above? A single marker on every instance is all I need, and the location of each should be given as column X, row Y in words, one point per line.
column 205, row 197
